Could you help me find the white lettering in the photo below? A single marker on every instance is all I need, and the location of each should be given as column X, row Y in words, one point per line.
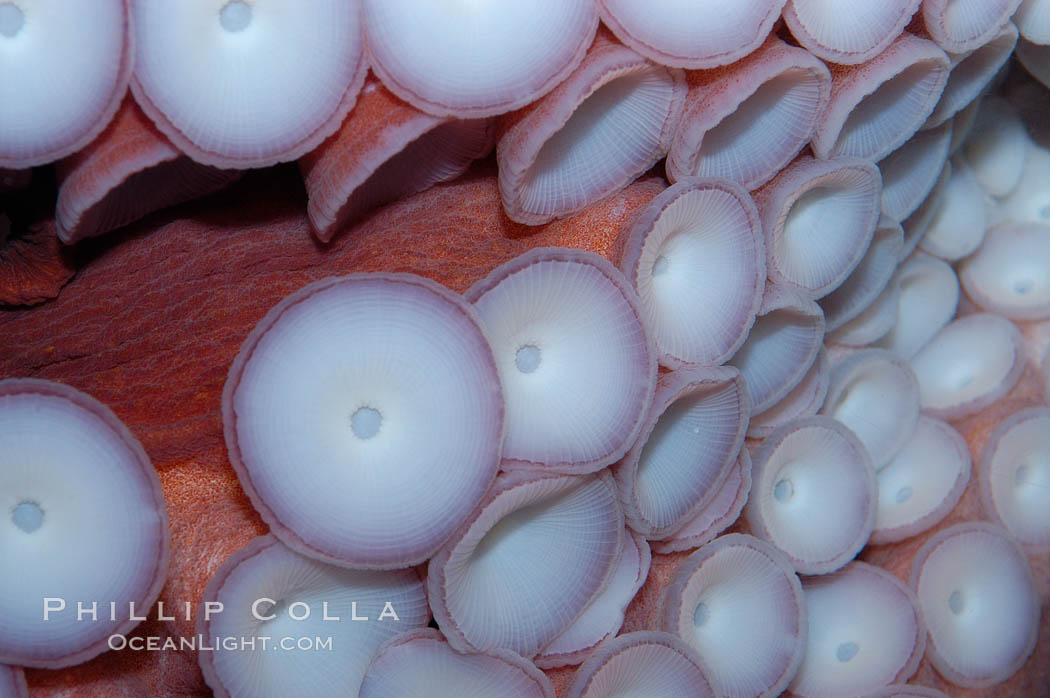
column 255, row 608
column 324, row 612
column 212, row 607
column 291, row 611
column 388, row 612
column 82, row 611
column 160, row 612
column 49, row 606
column 131, row 612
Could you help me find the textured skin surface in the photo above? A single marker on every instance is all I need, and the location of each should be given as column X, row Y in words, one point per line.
column 33, row 264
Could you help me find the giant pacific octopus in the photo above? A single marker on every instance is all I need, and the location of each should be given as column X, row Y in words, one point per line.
column 154, row 316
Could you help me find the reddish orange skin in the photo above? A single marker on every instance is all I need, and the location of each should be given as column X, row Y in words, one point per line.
column 33, row 267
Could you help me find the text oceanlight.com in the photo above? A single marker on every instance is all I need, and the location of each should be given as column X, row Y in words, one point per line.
column 200, row 643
